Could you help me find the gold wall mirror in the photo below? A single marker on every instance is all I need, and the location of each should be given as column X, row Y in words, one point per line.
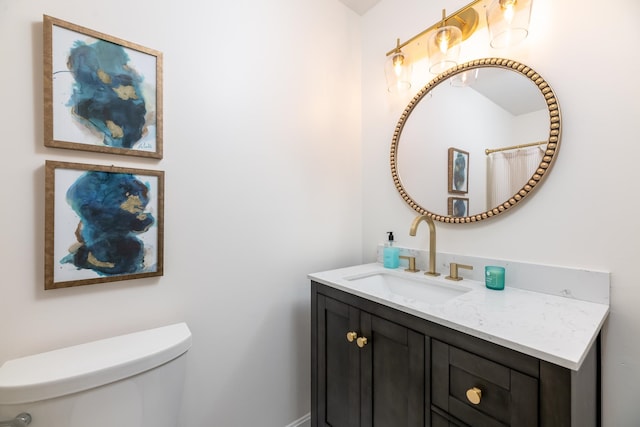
column 475, row 141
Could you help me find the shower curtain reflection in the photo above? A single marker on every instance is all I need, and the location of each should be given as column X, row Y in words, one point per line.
column 507, row 170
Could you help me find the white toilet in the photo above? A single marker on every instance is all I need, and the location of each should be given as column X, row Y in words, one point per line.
column 133, row 380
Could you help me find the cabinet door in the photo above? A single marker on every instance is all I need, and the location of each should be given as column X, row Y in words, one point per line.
column 393, row 374
column 338, row 365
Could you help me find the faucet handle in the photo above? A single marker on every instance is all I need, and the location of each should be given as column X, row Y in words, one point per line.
column 412, row 263
column 453, row 271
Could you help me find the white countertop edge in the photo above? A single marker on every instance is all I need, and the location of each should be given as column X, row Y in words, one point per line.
column 568, row 358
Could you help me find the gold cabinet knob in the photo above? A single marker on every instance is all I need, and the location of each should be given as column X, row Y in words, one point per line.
column 362, row 341
column 351, row 336
column 474, row 395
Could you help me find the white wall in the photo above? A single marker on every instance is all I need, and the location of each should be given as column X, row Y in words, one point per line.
column 585, row 213
column 267, row 181
column 263, row 185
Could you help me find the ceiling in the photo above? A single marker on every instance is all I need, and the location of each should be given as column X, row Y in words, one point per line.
column 500, row 85
column 360, row 6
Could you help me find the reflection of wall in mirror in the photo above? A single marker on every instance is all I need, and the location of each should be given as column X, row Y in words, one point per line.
column 528, row 128
column 451, row 117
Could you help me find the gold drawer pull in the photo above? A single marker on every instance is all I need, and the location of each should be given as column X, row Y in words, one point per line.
column 362, row 341
column 351, row 336
column 474, row 395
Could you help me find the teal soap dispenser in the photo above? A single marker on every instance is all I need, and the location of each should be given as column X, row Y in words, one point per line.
column 390, row 254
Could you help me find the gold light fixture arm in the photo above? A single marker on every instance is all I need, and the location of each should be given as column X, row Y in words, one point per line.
column 397, row 49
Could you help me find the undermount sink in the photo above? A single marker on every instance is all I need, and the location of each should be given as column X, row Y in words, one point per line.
column 406, row 289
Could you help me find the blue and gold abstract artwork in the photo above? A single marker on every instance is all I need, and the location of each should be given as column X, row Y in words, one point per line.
column 102, row 224
column 101, row 93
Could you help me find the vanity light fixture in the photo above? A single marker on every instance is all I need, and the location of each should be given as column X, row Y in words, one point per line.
column 506, row 20
column 398, row 70
column 444, row 46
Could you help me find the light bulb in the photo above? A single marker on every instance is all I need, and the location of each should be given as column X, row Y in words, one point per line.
column 508, row 12
column 443, row 37
column 398, row 62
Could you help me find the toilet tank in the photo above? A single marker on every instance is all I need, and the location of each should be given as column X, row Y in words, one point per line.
column 133, row 380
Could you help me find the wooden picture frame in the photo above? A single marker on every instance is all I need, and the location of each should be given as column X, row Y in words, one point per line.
column 458, row 171
column 458, row 207
column 101, row 93
column 102, row 224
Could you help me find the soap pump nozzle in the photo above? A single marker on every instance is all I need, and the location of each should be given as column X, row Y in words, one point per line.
column 390, row 233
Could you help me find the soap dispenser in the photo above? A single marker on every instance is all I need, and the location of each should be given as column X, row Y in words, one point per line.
column 390, row 254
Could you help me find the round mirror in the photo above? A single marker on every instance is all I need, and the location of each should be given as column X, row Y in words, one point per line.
column 475, row 141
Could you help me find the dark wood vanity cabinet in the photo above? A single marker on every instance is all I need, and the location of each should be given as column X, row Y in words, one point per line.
column 397, row 370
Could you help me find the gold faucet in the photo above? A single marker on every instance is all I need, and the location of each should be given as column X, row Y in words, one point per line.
column 432, row 241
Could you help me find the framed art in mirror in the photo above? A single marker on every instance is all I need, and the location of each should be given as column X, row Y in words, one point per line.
column 101, row 93
column 102, row 224
column 458, row 207
column 458, row 175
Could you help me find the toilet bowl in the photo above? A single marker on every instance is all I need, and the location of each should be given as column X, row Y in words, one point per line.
column 133, row 380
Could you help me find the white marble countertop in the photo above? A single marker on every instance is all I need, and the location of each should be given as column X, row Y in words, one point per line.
column 553, row 328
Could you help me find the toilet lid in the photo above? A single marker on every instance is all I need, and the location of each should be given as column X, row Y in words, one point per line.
column 72, row 369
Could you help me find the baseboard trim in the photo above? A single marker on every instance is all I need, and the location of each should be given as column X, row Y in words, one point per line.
column 305, row 421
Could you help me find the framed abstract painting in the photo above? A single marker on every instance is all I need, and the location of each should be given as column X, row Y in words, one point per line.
column 458, row 207
column 458, row 168
column 101, row 93
column 102, row 224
